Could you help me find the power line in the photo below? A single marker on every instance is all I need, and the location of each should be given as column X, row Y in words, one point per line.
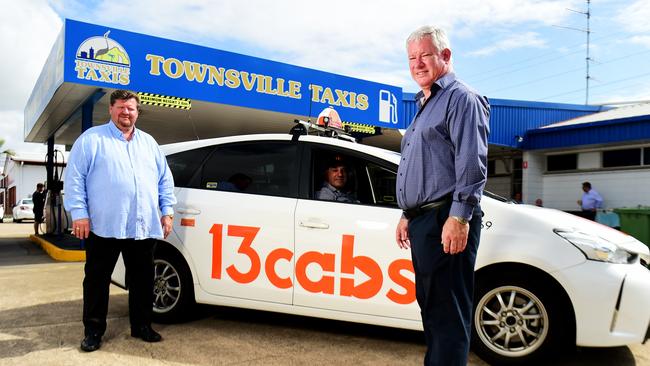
column 566, row 72
column 536, row 58
column 599, row 86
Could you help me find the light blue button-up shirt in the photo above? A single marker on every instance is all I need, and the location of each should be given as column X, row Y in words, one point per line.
column 122, row 186
column 591, row 200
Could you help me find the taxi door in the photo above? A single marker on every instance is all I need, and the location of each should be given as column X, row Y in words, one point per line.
column 235, row 219
column 346, row 256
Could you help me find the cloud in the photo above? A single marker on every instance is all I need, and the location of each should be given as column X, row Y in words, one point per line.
column 363, row 39
column 525, row 40
column 634, row 18
column 27, row 33
column 340, row 36
column 642, row 40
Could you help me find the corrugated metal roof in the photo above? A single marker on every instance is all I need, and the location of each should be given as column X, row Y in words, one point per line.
column 636, row 110
column 511, row 119
column 624, row 127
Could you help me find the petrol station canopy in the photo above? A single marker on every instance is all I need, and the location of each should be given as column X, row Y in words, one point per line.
column 193, row 92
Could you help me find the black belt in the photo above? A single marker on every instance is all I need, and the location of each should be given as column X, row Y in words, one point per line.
column 412, row 213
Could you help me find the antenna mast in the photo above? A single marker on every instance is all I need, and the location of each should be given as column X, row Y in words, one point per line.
column 588, row 32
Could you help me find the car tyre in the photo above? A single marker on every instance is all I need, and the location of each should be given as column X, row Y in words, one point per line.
column 517, row 320
column 173, row 293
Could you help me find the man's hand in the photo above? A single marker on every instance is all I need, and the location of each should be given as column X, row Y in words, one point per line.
column 402, row 233
column 166, row 222
column 454, row 236
column 81, row 228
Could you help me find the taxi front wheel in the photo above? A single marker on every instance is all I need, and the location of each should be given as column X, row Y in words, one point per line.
column 173, row 294
column 517, row 320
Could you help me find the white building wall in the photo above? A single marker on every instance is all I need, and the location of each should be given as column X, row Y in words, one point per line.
column 25, row 177
column 532, row 176
column 619, row 188
column 31, row 175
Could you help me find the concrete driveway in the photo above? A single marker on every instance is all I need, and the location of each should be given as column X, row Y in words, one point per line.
column 40, row 324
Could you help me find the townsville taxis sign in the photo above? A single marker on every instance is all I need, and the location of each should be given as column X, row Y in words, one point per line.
column 107, row 57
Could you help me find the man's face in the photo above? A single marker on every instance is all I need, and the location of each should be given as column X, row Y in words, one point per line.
column 585, row 189
column 426, row 63
column 124, row 113
column 337, row 176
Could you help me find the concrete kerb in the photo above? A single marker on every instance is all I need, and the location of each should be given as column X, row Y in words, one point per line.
column 57, row 253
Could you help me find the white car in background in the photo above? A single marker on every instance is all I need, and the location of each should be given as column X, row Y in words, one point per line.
column 544, row 279
column 23, row 210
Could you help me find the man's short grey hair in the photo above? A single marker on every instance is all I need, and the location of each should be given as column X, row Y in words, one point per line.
column 438, row 36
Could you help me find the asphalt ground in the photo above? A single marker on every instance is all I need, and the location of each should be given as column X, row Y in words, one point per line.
column 40, row 324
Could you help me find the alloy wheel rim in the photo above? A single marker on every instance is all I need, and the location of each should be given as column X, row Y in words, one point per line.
column 511, row 321
column 166, row 286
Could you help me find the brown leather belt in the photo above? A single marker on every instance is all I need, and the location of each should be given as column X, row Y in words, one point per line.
column 412, row 213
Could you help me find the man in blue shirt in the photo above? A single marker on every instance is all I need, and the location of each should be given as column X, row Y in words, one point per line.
column 440, row 181
column 119, row 192
column 591, row 201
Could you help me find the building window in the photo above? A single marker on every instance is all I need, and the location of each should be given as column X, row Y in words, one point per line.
column 646, row 156
column 561, row 162
column 491, row 168
column 625, row 157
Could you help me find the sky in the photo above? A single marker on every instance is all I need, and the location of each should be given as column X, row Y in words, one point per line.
column 530, row 50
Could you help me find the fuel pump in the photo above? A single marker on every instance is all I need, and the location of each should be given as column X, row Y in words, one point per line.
column 56, row 218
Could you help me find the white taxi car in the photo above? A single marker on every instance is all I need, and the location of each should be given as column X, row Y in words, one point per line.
column 249, row 233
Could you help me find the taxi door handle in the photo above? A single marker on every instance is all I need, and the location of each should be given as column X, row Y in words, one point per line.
column 188, row 211
column 314, row 225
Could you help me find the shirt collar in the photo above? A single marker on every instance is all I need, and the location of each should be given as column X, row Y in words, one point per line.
column 330, row 187
column 442, row 82
column 117, row 133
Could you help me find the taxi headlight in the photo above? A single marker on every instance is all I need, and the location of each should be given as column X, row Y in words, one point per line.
column 596, row 248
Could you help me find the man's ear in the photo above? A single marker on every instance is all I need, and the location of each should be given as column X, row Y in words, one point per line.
column 446, row 54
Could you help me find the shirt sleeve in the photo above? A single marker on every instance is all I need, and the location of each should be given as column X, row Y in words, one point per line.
column 468, row 129
column 166, row 198
column 75, row 198
column 598, row 200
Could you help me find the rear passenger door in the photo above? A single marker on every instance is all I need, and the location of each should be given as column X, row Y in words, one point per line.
column 236, row 219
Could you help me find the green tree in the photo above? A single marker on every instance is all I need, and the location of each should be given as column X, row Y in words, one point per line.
column 8, row 151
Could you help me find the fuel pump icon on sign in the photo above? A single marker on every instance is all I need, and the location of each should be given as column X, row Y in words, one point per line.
column 387, row 107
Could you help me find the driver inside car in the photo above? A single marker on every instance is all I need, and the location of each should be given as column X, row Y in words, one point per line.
column 334, row 187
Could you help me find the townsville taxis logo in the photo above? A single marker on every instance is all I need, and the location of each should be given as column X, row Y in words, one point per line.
column 102, row 59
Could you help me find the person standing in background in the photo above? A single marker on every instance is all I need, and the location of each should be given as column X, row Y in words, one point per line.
column 591, row 201
column 38, row 198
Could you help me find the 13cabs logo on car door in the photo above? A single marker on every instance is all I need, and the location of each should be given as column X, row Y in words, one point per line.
column 401, row 288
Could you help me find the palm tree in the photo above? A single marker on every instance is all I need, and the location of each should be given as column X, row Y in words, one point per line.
column 8, row 151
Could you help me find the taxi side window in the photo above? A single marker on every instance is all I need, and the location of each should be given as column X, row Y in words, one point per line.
column 184, row 165
column 382, row 185
column 267, row 168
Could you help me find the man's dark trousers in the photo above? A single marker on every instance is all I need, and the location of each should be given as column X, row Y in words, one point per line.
column 101, row 256
column 444, row 285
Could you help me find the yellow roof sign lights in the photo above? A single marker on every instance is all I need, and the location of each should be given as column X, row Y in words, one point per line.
column 165, row 101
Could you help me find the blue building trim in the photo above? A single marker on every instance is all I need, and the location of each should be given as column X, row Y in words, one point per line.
column 628, row 129
column 511, row 120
